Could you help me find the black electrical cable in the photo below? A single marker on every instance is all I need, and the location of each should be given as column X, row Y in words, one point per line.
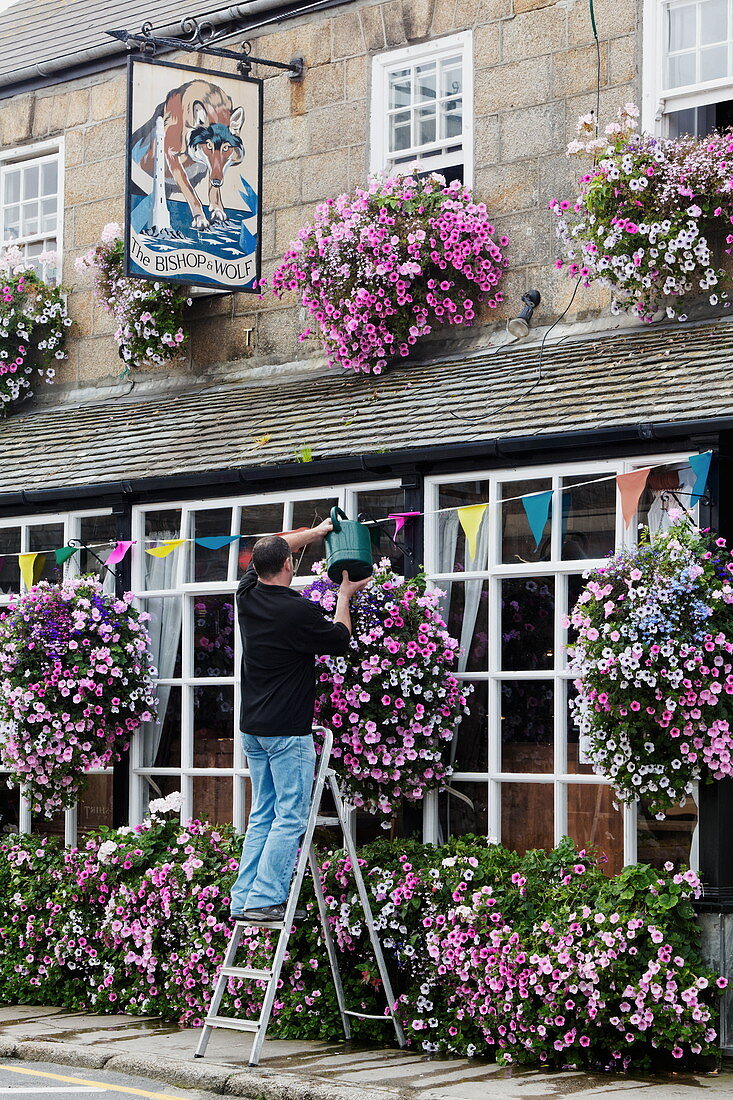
column 598, row 62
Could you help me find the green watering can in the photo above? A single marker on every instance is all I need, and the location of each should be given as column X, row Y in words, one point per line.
column 348, row 547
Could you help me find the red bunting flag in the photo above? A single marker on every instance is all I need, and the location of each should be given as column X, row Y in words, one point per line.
column 631, row 486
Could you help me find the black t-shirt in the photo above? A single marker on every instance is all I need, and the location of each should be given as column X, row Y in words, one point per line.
column 281, row 634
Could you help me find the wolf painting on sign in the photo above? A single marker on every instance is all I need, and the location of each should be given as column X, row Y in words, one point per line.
column 193, row 175
column 201, row 139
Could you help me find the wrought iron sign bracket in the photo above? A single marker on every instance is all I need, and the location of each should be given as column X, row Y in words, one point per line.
column 202, row 38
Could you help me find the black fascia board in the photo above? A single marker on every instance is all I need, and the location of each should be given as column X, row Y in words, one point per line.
column 493, row 453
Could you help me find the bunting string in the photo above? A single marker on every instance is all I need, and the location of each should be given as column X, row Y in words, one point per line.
column 537, row 506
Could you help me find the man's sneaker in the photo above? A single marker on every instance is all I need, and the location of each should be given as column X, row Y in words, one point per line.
column 268, row 914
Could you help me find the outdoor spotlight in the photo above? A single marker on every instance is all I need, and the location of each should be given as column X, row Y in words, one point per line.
column 518, row 327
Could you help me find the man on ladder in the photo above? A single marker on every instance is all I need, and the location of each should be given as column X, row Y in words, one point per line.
column 281, row 635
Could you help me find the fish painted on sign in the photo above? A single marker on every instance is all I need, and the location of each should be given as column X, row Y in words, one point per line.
column 201, row 140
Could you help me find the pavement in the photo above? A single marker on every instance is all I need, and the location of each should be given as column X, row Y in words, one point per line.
column 290, row 1070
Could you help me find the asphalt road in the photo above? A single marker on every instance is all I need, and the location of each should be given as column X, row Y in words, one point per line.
column 45, row 1081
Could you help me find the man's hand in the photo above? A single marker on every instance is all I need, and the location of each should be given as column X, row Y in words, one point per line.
column 350, row 588
column 321, row 530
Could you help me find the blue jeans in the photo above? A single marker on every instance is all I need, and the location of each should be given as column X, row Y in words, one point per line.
column 281, row 770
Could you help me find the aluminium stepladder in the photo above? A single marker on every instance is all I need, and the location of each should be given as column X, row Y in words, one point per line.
column 307, row 856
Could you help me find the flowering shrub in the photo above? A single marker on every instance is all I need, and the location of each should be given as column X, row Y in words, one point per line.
column 538, row 959
column 75, row 683
column 383, row 266
column 642, row 220
column 393, row 699
column 33, row 320
column 149, row 315
column 654, row 666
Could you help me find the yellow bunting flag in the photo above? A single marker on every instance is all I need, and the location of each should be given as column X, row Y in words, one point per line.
column 31, row 567
column 165, row 548
column 631, row 486
column 470, row 520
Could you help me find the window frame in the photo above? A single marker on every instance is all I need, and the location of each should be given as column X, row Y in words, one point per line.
column 560, row 569
column 22, row 154
column 657, row 100
column 382, row 64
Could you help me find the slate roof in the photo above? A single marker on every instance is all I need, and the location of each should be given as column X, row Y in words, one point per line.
column 615, row 379
column 42, row 36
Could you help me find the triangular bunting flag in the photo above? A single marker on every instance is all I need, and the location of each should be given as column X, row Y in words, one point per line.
column 31, row 567
column 700, row 466
column 399, row 518
column 117, row 553
column 470, row 520
column 631, row 486
column 216, row 542
column 165, row 548
column 64, row 553
column 537, row 507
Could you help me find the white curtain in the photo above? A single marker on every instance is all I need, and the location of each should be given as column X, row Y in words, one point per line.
column 165, row 632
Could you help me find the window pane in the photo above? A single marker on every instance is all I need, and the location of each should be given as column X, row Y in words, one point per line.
column 452, row 77
column 9, row 568
column 30, row 181
column 12, row 186
column 593, row 823
column 463, row 809
column 452, row 120
column 49, row 178
column 54, row 826
column 212, row 798
column 588, row 518
column 682, row 31
column 517, row 541
column 9, row 807
column 160, row 786
column 11, row 221
column 209, row 565
column 469, row 750
column 213, row 635
column 309, row 513
column 213, row 726
column 527, row 726
column 94, row 808
column 257, row 519
column 377, row 504
column 526, row 816
column 682, row 70
column 399, row 132
column 465, row 608
column 400, row 88
column 162, row 738
column 426, row 125
column 162, row 572
column 425, row 81
column 165, row 633
column 670, row 839
column 30, row 221
column 97, row 532
column 527, row 623
column 48, row 215
column 714, row 62
column 453, row 553
column 48, row 537
column 713, row 22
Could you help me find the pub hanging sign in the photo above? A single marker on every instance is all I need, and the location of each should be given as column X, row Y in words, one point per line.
column 194, row 171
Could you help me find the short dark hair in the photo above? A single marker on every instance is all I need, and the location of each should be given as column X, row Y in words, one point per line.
column 269, row 555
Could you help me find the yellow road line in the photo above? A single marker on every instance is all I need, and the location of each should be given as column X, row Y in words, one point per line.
column 106, row 1085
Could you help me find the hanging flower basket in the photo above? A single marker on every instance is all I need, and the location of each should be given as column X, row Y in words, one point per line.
column 381, row 267
column 33, row 324
column 149, row 315
column 75, row 684
column 393, row 700
column 648, row 216
column 654, row 666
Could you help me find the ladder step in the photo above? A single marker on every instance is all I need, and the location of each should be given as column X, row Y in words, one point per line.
column 327, row 820
column 245, row 972
column 260, row 923
column 230, row 1021
column 366, row 1015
